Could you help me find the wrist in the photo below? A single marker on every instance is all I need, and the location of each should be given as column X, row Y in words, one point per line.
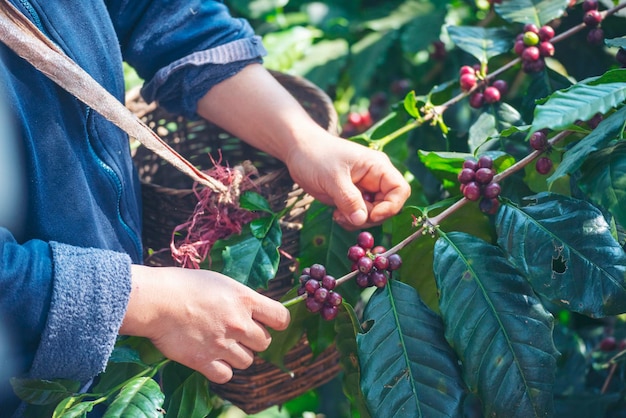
column 143, row 303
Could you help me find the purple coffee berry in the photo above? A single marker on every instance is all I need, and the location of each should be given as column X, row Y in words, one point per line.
column 395, row 261
column 492, row 190
column 472, row 191
column 334, row 299
column 543, row 165
column 329, row 282
column 592, row 18
column 519, row 47
column 321, row 294
column 484, row 175
column 546, row 33
column 489, row 206
column 466, row 175
column 533, row 66
column 381, row 262
column 590, row 5
column 491, row 95
column 546, row 49
column 531, row 53
column 378, row 278
column 469, row 163
column 318, row 271
column 595, row 120
column 501, row 85
column 365, row 264
column 311, row 286
column 329, row 312
column 595, row 36
column 355, row 252
column 312, row 305
column 362, row 279
column 301, row 291
column 485, row 161
column 304, row 278
column 538, row 141
column 467, row 82
column 608, row 344
column 306, row 271
column 476, row 100
column 365, row 240
column 620, row 56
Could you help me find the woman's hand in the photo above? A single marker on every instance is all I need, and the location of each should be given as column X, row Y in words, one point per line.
column 362, row 183
column 202, row 319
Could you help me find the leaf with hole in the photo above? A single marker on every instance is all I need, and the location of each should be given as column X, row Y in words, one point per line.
column 497, row 326
column 565, row 248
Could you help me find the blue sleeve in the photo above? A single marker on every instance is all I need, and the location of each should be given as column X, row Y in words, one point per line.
column 61, row 306
column 182, row 48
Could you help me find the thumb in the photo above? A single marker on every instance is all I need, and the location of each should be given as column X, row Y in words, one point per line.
column 349, row 201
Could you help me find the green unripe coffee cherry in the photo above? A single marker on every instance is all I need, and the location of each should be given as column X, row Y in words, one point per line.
column 531, row 38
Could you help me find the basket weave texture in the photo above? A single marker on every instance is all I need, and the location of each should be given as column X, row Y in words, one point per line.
column 168, row 201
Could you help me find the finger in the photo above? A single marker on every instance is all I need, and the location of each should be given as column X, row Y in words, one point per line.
column 238, row 356
column 349, row 202
column 270, row 312
column 217, row 371
column 256, row 337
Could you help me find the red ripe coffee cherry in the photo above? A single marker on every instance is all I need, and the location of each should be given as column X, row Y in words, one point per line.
column 312, row 305
column 329, row 282
column 531, row 27
column 362, row 279
column 379, row 249
column 365, row 264
column 492, row 190
column 491, row 95
column 334, row 299
column 476, row 100
column 311, row 286
column 472, row 191
column 519, row 47
column 543, row 165
column 471, row 164
column 546, row 49
column 365, row 240
column 378, row 278
column 592, row 18
column 318, row 271
column 381, row 262
column 467, row 82
column 608, row 344
column 546, row 33
column 531, row 53
column 329, row 312
column 467, row 69
column 321, row 294
column 538, row 141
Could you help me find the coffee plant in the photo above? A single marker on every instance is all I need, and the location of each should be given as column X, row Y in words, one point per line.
column 500, row 289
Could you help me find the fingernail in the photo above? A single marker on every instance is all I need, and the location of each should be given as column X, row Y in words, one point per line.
column 359, row 217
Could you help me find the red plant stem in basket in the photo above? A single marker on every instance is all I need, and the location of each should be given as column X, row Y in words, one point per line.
column 213, row 218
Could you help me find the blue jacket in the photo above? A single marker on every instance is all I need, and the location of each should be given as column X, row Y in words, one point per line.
column 65, row 278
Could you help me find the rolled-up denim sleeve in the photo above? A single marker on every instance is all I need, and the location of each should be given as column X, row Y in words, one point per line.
column 182, row 48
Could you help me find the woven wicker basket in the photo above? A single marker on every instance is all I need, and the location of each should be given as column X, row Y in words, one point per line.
column 169, row 200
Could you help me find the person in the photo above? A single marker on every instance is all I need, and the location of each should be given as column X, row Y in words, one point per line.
column 71, row 278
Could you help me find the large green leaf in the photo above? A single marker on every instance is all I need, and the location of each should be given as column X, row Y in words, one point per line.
column 500, row 330
column 192, row 399
column 254, row 261
column 482, row 43
column 604, row 133
column 407, row 367
column 139, row 398
column 68, row 408
column 419, row 32
column 538, row 12
column 323, row 63
column 604, row 180
column 578, row 103
column 367, row 55
column 565, row 248
column 542, row 85
column 43, row 392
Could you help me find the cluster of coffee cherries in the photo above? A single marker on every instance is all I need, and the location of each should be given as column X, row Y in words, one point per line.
column 469, row 77
column 318, row 286
column 592, row 18
column 533, row 45
column 374, row 269
column 539, row 141
column 476, row 178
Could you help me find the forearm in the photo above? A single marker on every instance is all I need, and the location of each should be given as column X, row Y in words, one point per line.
column 253, row 106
